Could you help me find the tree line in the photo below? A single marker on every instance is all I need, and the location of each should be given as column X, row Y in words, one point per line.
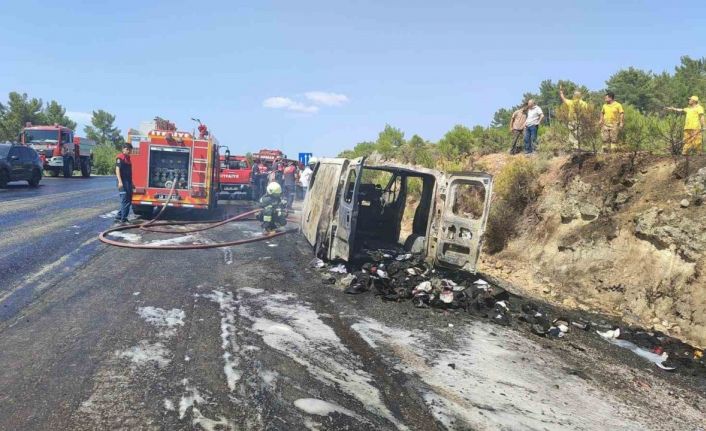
column 21, row 109
column 643, row 94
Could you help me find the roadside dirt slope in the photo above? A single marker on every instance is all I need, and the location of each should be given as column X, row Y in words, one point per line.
column 615, row 235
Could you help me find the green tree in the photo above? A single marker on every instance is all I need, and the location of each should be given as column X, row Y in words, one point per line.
column 361, row 149
column 20, row 109
column 416, row 152
column 502, row 117
column 102, row 130
column 54, row 113
column 456, row 142
column 389, row 141
column 634, row 87
column 689, row 80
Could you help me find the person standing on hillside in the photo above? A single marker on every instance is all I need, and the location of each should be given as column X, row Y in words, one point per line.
column 694, row 125
column 517, row 127
column 611, row 122
column 534, row 118
column 573, row 107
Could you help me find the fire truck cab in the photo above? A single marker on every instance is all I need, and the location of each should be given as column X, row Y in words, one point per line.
column 236, row 176
column 162, row 157
column 59, row 150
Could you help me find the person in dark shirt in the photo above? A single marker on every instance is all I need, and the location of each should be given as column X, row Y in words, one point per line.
column 123, row 172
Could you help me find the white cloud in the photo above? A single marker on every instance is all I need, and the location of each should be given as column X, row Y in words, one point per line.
column 326, row 98
column 80, row 117
column 288, row 104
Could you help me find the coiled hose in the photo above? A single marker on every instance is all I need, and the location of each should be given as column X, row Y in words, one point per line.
column 148, row 226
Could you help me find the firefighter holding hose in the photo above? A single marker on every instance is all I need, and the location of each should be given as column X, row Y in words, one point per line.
column 274, row 210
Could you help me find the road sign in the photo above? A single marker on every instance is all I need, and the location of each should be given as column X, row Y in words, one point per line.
column 304, row 158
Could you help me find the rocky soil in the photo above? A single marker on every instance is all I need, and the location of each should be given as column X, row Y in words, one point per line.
column 615, row 235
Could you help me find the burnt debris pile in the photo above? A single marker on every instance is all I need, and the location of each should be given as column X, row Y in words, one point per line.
column 397, row 276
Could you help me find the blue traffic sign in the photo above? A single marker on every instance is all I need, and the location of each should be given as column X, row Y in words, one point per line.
column 304, row 158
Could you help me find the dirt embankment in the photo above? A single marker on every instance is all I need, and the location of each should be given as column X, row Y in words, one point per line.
column 613, row 235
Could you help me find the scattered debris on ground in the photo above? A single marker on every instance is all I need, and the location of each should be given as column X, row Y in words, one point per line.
column 396, row 276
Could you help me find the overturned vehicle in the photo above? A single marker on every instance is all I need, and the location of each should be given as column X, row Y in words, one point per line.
column 354, row 206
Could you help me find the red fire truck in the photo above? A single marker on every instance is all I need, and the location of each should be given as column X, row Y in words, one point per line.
column 236, row 176
column 164, row 156
column 268, row 157
column 59, row 150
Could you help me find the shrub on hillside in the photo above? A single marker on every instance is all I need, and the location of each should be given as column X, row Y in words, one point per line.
column 514, row 189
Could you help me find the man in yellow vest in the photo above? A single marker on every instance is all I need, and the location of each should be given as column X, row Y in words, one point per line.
column 573, row 103
column 573, row 107
column 611, row 122
column 693, row 126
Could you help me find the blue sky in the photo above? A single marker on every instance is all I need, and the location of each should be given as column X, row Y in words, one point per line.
column 320, row 76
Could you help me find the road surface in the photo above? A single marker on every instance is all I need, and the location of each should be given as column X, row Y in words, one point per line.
column 102, row 338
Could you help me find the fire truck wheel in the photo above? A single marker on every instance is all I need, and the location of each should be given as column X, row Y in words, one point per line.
column 85, row 168
column 69, row 168
column 36, row 177
column 3, row 178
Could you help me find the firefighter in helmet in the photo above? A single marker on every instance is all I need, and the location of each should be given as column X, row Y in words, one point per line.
column 274, row 210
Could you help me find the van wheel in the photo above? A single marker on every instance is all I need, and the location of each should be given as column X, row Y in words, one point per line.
column 69, row 168
column 86, row 168
column 52, row 172
column 4, row 178
column 36, row 177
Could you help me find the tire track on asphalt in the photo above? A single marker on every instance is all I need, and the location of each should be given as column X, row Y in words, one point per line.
column 19, row 205
column 28, row 231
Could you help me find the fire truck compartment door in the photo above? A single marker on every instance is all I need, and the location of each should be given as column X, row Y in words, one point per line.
column 319, row 202
column 342, row 241
column 461, row 224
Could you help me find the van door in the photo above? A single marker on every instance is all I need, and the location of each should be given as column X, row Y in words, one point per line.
column 461, row 224
column 318, row 210
column 343, row 238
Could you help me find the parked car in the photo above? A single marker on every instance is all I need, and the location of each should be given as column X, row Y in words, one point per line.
column 354, row 207
column 19, row 163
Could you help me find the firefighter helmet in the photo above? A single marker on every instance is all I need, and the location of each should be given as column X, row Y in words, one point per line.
column 274, row 189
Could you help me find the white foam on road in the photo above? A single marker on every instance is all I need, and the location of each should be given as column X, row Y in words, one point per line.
column 191, row 401
column 110, row 215
column 168, row 405
column 146, row 353
column 296, row 330
column 175, row 241
column 229, row 343
column 493, row 381
column 227, row 255
column 318, row 407
column 166, row 320
column 129, row 237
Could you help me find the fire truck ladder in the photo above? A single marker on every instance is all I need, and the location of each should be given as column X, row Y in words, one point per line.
column 202, row 145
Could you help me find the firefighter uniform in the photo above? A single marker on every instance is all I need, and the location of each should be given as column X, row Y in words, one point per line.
column 274, row 210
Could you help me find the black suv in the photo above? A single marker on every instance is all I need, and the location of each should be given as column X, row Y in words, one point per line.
column 17, row 163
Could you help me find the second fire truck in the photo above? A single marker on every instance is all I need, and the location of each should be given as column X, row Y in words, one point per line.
column 59, row 150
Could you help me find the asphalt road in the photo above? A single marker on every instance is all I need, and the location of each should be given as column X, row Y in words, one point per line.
column 94, row 337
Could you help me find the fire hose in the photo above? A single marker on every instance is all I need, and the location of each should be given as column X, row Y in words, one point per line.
column 148, row 227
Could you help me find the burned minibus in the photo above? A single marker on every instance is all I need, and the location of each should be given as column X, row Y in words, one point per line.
column 354, row 206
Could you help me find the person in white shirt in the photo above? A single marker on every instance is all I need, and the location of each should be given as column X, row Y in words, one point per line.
column 534, row 118
column 305, row 177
